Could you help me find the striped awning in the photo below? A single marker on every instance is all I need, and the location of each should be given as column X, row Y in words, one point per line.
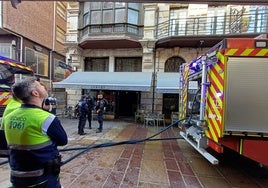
column 169, row 82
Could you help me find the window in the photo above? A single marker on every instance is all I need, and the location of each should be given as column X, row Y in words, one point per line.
column 107, row 16
column 59, row 73
column 60, row 35
column 173, row 64
column 61, row 10
column 111, row 12
column 36, row 61
column 95, row 17
column 97, row 64
column 5, row 50
column 119, row 16
column 133, row 17
column 86, row 19
column 128, row 64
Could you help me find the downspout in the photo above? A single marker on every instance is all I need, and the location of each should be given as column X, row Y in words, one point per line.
column 53, row 44
column 154, row 78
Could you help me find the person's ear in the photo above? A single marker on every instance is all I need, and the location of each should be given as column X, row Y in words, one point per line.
column 35, row 93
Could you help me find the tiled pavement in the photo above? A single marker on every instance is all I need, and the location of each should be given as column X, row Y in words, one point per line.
column 160, row 163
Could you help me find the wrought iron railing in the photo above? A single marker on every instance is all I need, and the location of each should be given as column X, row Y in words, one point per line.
column 256, row 23
column 220, row 25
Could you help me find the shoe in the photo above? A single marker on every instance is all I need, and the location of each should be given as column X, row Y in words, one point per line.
column 98, row 131
column 82, row 133
column 89, row 127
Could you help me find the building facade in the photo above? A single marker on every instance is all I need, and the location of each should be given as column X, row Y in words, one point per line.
column 34, row 34
column 106, row 39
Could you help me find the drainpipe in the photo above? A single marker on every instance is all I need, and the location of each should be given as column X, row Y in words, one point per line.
column 53, row 45
column 154, row 76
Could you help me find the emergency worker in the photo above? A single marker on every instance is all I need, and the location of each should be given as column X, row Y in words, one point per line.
column 90, row 105
column 33, row 135
column 12, row 105
column 100, row 106
column 83, row 111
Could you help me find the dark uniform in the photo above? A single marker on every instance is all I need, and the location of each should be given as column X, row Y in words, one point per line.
column 53, row 103
column 33, row 140
column 100, row 106
column 83, row 111
column 90, row 105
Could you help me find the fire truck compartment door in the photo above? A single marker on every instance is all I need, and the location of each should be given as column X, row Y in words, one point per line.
column 246, row 95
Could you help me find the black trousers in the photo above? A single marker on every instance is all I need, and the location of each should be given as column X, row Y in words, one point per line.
column 100, row 120
column 81, row 123
column 89, row 118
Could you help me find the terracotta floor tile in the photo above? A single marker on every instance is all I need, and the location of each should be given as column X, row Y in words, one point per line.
column 114, row 180
column 67, row 178
column 185, row 168
column 192, row 182
column 175, row 179
column 153, row 172
column 171, row 164
column 155, row 155
column 131, row 177
column 121, row 165
column 127, row 152
column 135, row 161
column 214, row 182
column 91, row 178
column 152, row 185
column 202, row 167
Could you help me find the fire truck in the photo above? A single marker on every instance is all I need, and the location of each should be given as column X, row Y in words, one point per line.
column 230, row 107
column 8, row 69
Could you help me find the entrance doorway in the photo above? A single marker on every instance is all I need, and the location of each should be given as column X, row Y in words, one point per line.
column 127, row 102
column 170, row 104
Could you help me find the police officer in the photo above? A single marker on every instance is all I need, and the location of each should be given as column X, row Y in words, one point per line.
column 83, row 111
column 100, row 106
column 33, row 135
column 90, row 105
column 53, row 102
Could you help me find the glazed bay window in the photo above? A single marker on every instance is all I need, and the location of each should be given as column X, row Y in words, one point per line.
column 111, row 17
column 37, row 61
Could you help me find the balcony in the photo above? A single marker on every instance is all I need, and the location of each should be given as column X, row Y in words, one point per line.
column 119, row 35
column 190, row 31
column 186, row 32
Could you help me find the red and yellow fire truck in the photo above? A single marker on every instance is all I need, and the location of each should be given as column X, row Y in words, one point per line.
column 230, row 108
column 8, row 69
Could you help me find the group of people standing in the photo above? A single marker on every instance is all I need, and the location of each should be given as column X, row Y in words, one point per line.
column 86, row 106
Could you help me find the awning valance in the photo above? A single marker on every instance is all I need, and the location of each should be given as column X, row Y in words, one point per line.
column 169, row 82
column 125, row 81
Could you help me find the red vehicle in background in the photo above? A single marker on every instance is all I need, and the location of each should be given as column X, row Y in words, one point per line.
column 8, row 69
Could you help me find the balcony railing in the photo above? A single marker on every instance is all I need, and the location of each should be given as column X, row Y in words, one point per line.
column 116, row 28
column 220, row 25
column 256, row 23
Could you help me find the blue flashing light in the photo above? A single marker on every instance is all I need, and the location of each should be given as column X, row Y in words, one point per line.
column 196, row 65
